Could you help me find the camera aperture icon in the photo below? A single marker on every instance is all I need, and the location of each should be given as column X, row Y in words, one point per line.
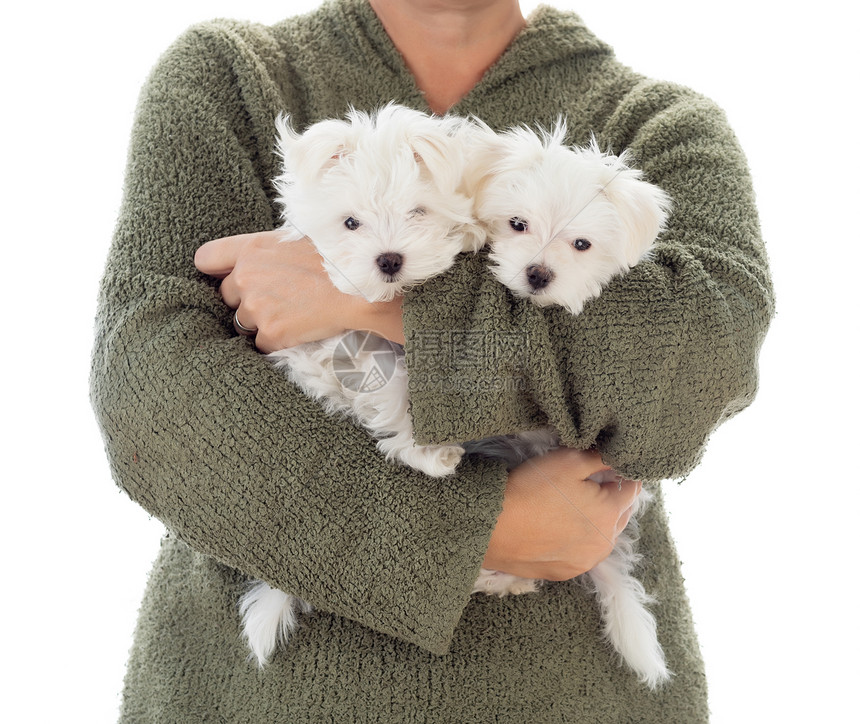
column 364, row 362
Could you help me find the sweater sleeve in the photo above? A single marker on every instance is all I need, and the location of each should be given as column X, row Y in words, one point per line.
column 651, row 367
column 203, row 433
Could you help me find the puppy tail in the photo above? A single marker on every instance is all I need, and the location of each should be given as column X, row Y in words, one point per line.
column 269, row 617
column 628, row 624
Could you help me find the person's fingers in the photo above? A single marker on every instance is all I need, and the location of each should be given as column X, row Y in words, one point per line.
column 585, row 464
column 623, row 521
column 218, row 257
column 622, row 491
column 604, row 475
column 231, row 294
column 265, row 341
column 244, row 328
column 629, row 491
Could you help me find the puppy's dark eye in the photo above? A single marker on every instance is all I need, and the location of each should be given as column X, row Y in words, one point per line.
column 518, row 224
column 351, row 223
column 581, row 244
column 418, row 211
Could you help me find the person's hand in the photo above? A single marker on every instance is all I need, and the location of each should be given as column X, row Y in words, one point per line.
column 282, row 290
column 556, row 523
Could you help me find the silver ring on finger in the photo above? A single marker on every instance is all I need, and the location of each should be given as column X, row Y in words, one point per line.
column 241, row 328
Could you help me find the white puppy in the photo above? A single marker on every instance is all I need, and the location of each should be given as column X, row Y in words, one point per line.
column 561, row 223
column 380, row 197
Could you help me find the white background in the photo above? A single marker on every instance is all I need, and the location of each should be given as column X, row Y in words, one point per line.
column 763, row 525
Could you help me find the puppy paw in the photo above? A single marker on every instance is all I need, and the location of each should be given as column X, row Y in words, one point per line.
column 522, row 585
column 434, row 460
column 497, row 583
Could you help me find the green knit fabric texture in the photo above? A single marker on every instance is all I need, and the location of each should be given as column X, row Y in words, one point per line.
column 251, row 479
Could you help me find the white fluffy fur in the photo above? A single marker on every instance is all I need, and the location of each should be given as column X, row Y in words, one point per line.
column 269, row 617
column 398, row 173
column 561, row 194
column 396, row 176
column 554, row 195
column 363, row 189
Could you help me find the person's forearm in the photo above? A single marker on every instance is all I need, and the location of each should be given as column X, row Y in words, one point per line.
column 382, row 318
column 648, row 369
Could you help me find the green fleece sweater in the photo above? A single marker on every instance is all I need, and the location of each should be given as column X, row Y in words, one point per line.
column 251, row 479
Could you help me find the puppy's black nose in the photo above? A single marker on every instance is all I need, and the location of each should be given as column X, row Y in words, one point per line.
column 389, row 263
column 539, row 276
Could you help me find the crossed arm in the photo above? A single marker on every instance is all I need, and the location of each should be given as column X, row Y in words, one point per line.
column 555, row 522
column 205, row 435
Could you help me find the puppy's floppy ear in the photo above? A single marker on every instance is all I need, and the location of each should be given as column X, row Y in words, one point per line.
column 484, row 150
column 642, row 207
column 444, row 153
column 309, row 155
column 438, row 149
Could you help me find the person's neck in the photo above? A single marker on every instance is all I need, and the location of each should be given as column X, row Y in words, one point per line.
column 448, row 45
